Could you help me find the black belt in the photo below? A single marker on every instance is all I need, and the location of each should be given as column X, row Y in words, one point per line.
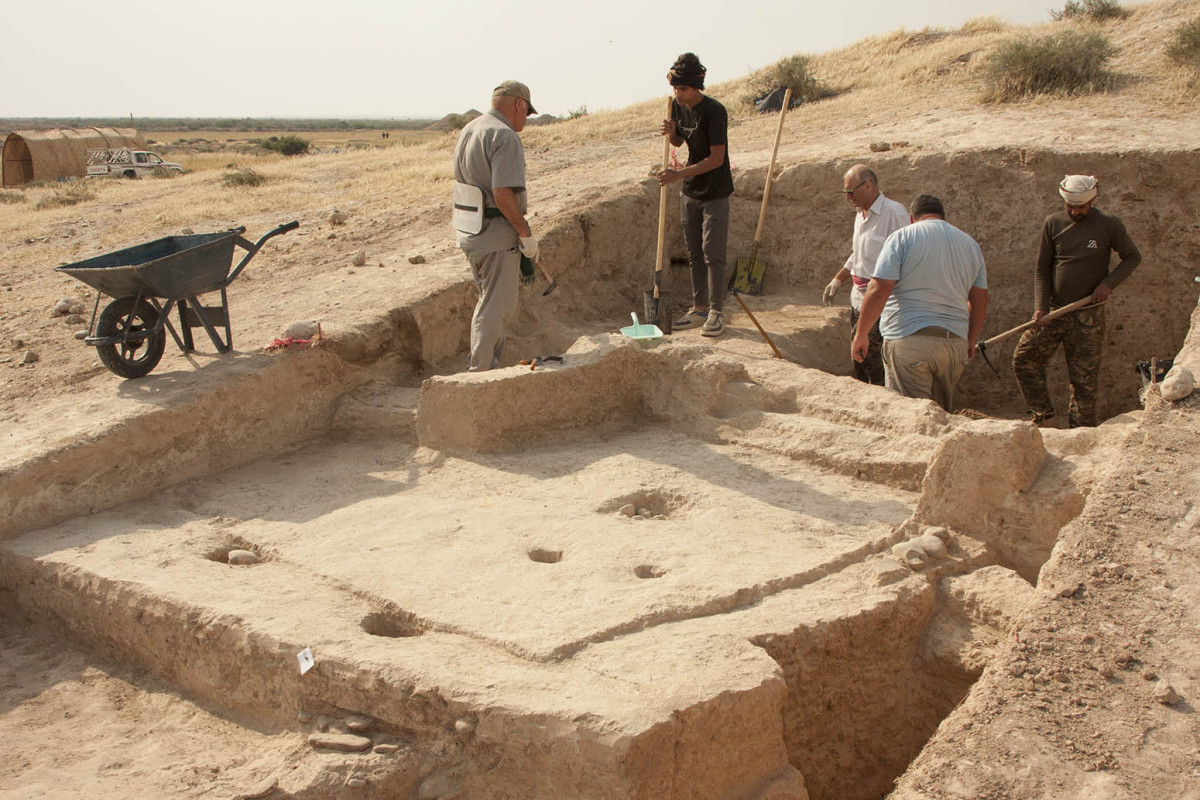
column 940, row 333
column 492, row 213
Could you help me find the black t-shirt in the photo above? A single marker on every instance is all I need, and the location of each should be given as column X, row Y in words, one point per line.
column 702, row 127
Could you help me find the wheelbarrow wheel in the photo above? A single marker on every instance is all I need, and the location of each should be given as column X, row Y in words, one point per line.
column 136, row 358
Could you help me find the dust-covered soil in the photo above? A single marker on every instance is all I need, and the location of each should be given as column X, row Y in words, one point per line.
column 1075, row 702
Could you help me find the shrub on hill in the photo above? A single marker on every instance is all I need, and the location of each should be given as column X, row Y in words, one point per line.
column 8, row 198
column 242, row 176
column 1090, row 9
column 984, row 23
column 792, row 72
column 71, row 193
column 287, row 145
column 1072, row 62
column 1184, row 48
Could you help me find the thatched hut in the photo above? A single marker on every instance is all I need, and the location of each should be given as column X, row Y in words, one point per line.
column 59, row 153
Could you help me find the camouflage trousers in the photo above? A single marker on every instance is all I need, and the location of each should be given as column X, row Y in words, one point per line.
column 870, row 369
column 1081, row 335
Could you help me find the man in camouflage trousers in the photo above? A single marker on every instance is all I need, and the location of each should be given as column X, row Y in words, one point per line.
column 1073, row 263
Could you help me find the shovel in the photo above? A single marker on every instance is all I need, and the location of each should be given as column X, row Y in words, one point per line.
column 1058, row 312
column 655, row 298
column 748, row 275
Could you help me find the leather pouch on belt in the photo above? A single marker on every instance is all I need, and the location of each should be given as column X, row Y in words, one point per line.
column 468, row 208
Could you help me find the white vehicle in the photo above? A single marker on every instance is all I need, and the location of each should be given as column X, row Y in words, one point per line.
column 126, row 163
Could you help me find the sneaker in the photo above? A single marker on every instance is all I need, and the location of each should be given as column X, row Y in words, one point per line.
column 714, row 325
column 1041, row 418
column 691, row 319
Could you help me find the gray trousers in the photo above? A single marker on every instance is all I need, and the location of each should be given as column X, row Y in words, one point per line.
column 706, row 232
column 497, row 275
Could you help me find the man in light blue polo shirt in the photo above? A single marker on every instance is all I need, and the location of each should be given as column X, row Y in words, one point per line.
column 929, row 293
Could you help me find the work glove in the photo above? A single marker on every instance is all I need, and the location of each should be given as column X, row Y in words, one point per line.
column 527, row 274
column 830, row 290
column 529, row 248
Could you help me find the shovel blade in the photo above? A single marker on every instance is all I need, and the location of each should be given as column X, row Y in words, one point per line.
column 748, row 276
column 657, row 312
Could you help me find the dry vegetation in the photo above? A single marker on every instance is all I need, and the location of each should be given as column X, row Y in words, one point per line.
column 899, row 70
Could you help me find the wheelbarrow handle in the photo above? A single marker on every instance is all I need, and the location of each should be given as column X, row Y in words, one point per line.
column 254, row 248
column 284, row 228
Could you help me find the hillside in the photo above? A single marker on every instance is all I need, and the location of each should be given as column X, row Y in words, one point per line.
column 1056, row 700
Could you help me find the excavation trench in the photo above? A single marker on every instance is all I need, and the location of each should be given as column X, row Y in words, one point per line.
column 684, row 571
column 998, row 196
column 719, row 596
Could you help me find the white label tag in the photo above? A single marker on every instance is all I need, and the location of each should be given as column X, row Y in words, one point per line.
column 305, row 657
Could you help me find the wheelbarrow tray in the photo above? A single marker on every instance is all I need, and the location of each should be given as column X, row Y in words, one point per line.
column 172, row 267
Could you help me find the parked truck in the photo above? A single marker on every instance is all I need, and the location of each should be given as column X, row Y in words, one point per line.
column 126, row 163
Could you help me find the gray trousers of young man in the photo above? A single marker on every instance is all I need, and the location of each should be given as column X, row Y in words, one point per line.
column 706, row 232
column 497, row 275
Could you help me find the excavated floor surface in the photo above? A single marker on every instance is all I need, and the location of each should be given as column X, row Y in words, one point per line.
column 642, row 573
column 457, row 556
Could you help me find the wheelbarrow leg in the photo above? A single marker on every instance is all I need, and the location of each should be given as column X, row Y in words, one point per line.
column 164, row 314
column 198, row 310
column 188, row 344
column 228, row 330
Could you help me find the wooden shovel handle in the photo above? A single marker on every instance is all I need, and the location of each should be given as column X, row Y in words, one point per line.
column 762, row 215
column 662, row 207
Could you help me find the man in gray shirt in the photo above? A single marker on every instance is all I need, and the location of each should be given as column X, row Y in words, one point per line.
column 489, row 215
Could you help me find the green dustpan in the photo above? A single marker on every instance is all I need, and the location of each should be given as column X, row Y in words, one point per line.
column 646, row 334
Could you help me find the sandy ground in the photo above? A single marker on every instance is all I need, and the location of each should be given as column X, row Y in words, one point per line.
column 1067, row 707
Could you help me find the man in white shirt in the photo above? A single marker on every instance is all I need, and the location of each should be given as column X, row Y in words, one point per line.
column 875, row 219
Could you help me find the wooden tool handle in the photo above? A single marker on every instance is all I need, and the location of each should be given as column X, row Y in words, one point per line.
column 662, row 207
column 737, row 296
column 1058, row 312
column 762, row 215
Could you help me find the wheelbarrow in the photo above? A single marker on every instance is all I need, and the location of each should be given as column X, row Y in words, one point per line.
column 130, row 333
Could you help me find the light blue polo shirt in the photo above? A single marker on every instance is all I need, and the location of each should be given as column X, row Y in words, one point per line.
column 934, row 265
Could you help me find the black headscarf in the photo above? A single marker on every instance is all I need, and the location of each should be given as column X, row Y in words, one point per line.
column 687, row 71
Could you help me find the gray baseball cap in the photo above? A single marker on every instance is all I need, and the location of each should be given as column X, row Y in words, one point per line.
column 514, row 89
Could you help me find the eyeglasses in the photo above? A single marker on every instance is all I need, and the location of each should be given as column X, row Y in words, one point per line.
column 849, row 192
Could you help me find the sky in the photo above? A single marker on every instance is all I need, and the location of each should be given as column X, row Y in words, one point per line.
column 416, row 58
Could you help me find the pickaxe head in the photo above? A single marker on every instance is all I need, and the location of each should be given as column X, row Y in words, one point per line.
column 982, row 348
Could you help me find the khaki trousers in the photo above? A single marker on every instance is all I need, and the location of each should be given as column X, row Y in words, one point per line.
column 925, row 366
column 498, row 277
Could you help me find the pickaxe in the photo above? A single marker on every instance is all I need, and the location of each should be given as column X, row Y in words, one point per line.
column 1058, row 312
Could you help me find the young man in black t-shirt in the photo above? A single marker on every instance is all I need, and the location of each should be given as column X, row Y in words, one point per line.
column 703, row 124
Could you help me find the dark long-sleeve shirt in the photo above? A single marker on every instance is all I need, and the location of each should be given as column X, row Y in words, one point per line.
column 1074, row 257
